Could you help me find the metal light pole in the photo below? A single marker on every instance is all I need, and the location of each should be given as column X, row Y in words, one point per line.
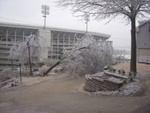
column 45, row 11
column 87, row 19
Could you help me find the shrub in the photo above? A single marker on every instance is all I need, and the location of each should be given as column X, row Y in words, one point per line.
column 114, row 70
column 131, row 76
column 61, row 70
column 119, row 71
column 123, row 72
column 43, row 69
column 5, row 74
column 55, row 70
column 110, row 70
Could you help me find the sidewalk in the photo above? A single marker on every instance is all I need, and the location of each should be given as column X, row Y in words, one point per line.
column 37, row 80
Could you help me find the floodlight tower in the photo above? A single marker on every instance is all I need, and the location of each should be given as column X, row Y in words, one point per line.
column 87, row 19
column 45, row 11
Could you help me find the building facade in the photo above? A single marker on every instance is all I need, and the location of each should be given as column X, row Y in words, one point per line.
column 55, row 40
column 143, row 42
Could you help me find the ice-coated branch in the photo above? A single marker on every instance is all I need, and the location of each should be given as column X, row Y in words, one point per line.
column 89, row 56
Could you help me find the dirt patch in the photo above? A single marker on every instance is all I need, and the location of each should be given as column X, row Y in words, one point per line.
column 141, row 68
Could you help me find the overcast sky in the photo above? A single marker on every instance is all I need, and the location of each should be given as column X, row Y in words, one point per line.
column 29, row 12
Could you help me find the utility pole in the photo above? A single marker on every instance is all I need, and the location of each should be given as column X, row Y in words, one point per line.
column 87, row 19
column 45, row 12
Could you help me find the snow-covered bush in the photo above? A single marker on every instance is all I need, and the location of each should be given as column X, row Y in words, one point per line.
column 7, row 74
column 43, row 69
column 132, row 88
column 88, row 57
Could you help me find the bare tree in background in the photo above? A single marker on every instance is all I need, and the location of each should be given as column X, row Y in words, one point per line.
column 26, row 51
column 130, row 10
column 120, row 55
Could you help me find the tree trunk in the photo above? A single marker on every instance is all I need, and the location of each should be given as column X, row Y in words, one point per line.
column 57, row 63
column 20, row 74
column 30, row 64
column 133, row 46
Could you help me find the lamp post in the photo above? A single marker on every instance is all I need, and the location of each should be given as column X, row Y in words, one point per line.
column 87, row 19
column 45, row 11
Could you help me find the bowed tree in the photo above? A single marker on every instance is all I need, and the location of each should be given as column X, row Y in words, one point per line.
column 89, row 56
column 27, row 51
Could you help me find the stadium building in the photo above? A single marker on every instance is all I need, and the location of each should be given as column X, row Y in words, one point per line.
column 56, row 39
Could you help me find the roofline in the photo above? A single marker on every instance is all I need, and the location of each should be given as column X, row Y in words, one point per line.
column 51, row 28
column 5, row 24
column 143, row 23
column 80, row 31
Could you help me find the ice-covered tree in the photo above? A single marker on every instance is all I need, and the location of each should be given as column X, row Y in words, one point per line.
column 27, row 51
column 13, row 55
column 89, row 56
column 130, row 10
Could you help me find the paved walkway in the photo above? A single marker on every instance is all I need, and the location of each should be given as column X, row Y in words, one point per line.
column 60, row 95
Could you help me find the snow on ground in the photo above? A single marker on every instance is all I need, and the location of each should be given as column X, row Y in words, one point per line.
column 131, row 89
column 115, row 80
